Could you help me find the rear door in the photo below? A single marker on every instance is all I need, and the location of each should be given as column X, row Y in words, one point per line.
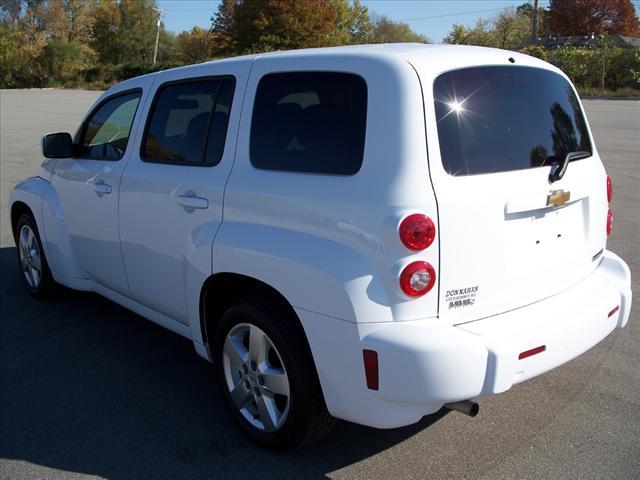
column 508, row 235
column 172, row 190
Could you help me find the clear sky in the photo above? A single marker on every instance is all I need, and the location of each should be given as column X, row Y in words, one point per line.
column 433, row 18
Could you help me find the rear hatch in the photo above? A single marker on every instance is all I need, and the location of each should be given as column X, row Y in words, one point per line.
column 508, row 236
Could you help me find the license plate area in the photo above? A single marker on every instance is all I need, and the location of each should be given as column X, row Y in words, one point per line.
column 540, row 239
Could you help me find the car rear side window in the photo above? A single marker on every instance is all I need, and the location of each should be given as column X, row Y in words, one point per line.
column 188, row 122
column 104, row 136
column 312, row 122
column 502, row 118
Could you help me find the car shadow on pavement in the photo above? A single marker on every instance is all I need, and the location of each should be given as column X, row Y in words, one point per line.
column 89, row 387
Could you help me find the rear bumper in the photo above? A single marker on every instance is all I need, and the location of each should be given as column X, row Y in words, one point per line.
column 424, row 364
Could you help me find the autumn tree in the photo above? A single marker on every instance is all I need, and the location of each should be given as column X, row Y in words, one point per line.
column 583, row 17
column 195, row 46
column 69, row 25
column 352, row 24
column 267, row 25
column 244, row 26
column 509, row 29
column 386, row 30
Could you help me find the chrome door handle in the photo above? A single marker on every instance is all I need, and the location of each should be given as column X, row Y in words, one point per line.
column 101, row 188
column 192, row 201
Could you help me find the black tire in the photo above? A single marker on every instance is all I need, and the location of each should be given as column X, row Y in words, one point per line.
column 307, row 420
column 46, row 286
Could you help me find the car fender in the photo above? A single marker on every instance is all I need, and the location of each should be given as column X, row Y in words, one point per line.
column 40, row 196
column 312, row 272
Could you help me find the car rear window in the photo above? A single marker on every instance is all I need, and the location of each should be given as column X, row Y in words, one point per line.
column 310, row 122
column 502, row 118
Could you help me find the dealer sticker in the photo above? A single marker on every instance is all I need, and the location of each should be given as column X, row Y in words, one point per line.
column 461, row 297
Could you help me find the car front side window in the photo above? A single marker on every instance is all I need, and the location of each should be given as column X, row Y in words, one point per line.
column 105, row 134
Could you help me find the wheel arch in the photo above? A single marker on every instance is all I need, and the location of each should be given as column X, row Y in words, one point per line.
column 229, row 288
column 18, row 208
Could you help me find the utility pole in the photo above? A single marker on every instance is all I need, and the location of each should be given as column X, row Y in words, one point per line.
column 161, row 13
column 534, row 22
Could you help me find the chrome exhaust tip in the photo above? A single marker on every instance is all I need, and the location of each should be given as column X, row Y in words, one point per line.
column 466, row 406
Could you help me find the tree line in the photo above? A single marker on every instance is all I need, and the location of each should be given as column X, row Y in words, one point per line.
column 94, row 43
column 597, row 65
column 98, row 42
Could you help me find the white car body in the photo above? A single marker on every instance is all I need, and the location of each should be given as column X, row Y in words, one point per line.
column 329, row 245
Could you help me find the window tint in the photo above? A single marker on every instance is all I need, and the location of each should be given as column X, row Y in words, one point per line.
column 106, row 133
column 309, row 122
column 188, row 123
column 496, row 119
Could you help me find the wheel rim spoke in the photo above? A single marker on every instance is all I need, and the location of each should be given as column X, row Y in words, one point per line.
column 31, row 240
column 23, row 260
column 241, row 396
column 257, row 345
column 268, row 413
column 27, row 274
column 236, row 352
column 35, row 262
column 35, row 276
column 275, row 380
column 24, row 243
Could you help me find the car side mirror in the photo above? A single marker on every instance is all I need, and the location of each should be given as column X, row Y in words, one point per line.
column 57, row 145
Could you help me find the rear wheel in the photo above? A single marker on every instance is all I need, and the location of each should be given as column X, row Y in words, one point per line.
column 32, row 261
column 267, row 376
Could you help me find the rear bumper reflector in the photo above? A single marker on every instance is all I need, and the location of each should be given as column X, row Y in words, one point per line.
column 613, row 312
column 533, row 351
column 371, row 368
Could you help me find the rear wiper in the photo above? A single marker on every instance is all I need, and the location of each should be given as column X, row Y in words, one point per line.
column 559, row 167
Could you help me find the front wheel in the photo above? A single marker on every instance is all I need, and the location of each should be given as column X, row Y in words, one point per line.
column 32, row 261
column 267, row 376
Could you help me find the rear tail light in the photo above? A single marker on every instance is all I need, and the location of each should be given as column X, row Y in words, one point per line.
column 609, row 222
column 609, row 189
column 371, row 368
column 417, row 279
column 417, row 231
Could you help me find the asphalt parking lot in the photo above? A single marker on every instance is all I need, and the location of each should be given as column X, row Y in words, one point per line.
column 88, row 389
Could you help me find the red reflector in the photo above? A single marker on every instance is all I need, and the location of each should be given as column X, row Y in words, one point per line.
column 371, row 368
column 609, row 189
column 613, row 312
column 533, row 351
column 609, row 222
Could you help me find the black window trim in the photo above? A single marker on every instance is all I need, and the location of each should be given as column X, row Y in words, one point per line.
column 297, row 172
column 79, row 137
column 152, row 109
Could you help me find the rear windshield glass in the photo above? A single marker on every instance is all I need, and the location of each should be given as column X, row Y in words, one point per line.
column 496, row 119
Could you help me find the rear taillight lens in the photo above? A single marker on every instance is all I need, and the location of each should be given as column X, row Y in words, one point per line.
column 417, row 231
column 417, row 279
column 609, row 189
column 609, row 222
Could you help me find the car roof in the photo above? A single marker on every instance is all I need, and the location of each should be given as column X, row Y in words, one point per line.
column 406, row 51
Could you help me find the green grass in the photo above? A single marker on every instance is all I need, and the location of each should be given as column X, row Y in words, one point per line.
column 599, row 92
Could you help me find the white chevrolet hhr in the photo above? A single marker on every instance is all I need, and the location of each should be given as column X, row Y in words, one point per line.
column 366, row 233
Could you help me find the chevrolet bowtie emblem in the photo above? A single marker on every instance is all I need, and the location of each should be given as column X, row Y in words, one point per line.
column 557, row 198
